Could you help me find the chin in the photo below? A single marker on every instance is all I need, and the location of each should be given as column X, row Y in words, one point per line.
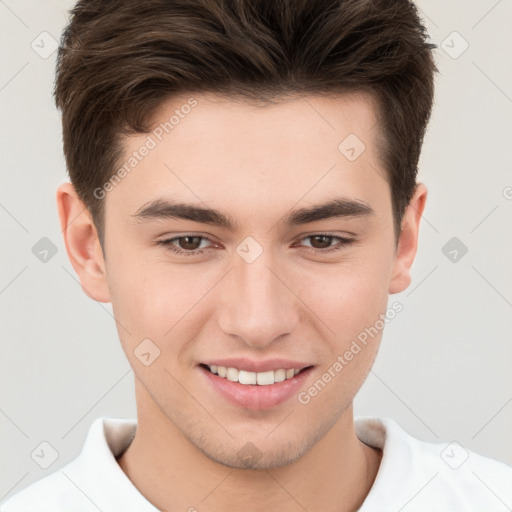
column 260, row 452
column 251, row 457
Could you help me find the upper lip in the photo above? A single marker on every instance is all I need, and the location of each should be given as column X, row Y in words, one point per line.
column 250, row 365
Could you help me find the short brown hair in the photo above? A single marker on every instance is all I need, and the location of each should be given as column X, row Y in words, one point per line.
column 119, row 60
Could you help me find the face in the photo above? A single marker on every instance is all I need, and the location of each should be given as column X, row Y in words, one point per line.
column 269, row 288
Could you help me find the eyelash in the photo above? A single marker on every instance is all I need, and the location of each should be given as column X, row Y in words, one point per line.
column 342, row 243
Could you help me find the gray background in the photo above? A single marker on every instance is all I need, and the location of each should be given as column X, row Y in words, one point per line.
column 443, row 371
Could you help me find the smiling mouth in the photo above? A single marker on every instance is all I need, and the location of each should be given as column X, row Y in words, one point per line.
column 254, row 378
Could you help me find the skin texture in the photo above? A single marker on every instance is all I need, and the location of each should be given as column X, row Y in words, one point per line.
column 255, row 163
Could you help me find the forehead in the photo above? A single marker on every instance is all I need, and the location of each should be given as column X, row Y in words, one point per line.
column 207, row 148
column 221, row 120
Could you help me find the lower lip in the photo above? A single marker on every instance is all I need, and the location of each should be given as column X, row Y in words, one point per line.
column 253, row 396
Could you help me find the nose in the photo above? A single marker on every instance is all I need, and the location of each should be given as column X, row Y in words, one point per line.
column 258, row 305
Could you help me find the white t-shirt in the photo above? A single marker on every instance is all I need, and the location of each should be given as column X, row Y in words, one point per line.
column 413, row 476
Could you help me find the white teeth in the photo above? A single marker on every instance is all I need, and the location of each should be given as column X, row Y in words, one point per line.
column 260, row 378
column 279, row 375
column 232, row 374
column 264, row 378
column 247, row 377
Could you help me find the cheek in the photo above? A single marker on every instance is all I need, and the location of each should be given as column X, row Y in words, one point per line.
column 156, row 300
column 348, row 297
column 351, row 302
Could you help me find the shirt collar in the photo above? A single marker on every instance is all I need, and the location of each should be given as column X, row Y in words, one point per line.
column 108, row 438
column 97, row 473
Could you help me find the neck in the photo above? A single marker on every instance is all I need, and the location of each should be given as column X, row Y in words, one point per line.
column 335, row 475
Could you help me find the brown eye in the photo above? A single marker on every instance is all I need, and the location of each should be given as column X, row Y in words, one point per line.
column 188, row 245
column 191, row 243
column 321, row 241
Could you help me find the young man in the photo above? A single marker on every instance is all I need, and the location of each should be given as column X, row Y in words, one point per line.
column 243, row 191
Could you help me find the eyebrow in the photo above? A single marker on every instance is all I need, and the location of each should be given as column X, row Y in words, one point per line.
column 165, row 209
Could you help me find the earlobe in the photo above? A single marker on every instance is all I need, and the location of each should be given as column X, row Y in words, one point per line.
column 82, row 243
column 408, row 242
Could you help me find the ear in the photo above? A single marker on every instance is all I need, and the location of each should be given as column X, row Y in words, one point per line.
column 408, row 242
column 82, row 243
